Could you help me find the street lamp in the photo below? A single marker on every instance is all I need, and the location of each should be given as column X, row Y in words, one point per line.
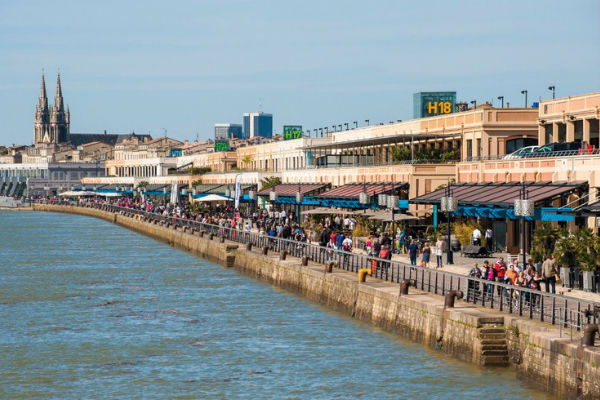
column 525, row 93
column 474, row 102
column 449, row 205
column 321, row 131
column 345, row 123
column 252, row 198
column 367, row 122
column 523, row 208
column 340, row 126
column 392, row 204
column 363, row 197
column 334, row 128
column 502, row 99
column 299, row 198
column 553, row 89
column 355, row 124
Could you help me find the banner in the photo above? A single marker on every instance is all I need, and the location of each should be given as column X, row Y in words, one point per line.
column 238, row 190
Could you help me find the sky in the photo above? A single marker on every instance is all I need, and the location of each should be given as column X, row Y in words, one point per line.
column 180, row 67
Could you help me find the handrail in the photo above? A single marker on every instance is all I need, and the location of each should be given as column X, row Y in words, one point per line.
column 535, row 304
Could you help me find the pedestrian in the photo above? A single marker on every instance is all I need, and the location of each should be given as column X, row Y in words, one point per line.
column 473, row 286
column 413, row 249
column 439, row 251
column 489, row 234
column 426, row 255
column 476, row 237
column 549, row 273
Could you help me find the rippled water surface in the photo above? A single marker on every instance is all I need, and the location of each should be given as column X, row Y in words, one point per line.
column 91, row 310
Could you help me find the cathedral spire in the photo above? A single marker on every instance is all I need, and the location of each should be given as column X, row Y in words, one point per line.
column 43, row 100
column 58, row 99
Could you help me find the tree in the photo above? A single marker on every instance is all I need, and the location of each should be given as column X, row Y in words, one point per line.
column 269, row 182
column 247, row 161
column 545, row 237
column 401, row 153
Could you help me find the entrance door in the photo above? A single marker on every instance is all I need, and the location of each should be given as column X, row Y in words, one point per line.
column 499, row 239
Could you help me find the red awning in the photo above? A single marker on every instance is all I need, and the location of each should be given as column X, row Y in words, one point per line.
column 290, row 189
column 353, row 190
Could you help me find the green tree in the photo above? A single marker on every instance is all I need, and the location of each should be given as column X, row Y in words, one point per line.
column 269, row 182
column 401, row 153
column 545, row 237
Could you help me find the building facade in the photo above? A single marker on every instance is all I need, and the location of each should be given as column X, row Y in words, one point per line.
column 228, row 131
column 258, row 124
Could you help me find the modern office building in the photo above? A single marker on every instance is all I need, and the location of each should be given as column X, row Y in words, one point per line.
column 228, row 131
column 258, row 124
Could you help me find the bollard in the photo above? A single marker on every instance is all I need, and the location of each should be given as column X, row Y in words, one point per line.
column 211, row 236
column 451, row 296
column 589, row 333
column 265, row 250
column 248, row 246
column 362, row 274
column 222, row 239
column 304, row 261
column 405, row 285
column 283, row 255
column 202, row 232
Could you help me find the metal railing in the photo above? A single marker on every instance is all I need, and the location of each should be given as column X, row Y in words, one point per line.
column 516, row 300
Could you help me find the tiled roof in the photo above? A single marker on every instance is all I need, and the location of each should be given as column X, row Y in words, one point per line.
column 353, row 190
column 501, row 194
column 290, row 189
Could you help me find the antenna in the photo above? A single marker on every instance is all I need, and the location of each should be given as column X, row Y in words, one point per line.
column 259, row 104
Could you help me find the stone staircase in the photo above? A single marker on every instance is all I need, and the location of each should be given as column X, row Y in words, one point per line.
column 494, row 348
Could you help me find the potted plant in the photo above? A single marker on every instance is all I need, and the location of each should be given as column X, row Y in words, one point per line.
column 565, row 254
column 589, row 249
column 544, row 241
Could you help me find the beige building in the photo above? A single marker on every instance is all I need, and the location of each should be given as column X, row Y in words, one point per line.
column 570, row 119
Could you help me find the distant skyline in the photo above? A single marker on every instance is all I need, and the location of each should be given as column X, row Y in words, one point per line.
column 149, row 66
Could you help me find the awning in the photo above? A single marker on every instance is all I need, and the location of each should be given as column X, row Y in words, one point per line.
column 353, row 190
column 386, row 216
column 212, row 197
column 75, row 193
column 290, row 189
column 498, row 194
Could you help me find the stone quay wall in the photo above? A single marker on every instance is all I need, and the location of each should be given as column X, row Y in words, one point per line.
column 470, row 333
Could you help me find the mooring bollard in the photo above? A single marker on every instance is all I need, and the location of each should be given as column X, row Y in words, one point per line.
column 265, row 250
column 451, row 296
column 222, row 239
column 202, row 232
column 304, row 262
column 283, row 255
column 362, row 274
column 405, row 285
column 329, row 266
column 211, row 236
column 589, row 334
column 248, row 246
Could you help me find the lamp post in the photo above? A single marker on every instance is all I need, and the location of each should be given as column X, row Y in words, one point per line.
column 392, row 203
column 474, row 102
column 523, row 208
column 251, row 197
column 502, row 99
column 553, row 89
column 355, row 124
column 345, row 123
column 525, row 93
column 299, row 198
column 340, row 126
column 367, row 122
column 448, row 204
column 363, row 198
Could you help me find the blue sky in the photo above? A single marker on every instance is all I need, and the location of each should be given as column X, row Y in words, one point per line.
column 183, row 66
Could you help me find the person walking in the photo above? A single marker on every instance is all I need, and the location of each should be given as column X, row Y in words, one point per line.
column 476, row 237
column 413, row 249
column 549, row 273
column 489, row 235
column 426, row 255
column 439, row 252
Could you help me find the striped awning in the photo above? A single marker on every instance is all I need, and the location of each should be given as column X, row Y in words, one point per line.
column 353, row 190
column 290, row 189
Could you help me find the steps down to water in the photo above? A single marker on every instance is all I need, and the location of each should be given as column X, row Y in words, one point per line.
column 494, row 348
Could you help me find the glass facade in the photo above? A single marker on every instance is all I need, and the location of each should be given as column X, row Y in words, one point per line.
column 258, row 124
column 228, row 131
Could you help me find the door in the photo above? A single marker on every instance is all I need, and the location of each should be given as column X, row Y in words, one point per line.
column 499, row 238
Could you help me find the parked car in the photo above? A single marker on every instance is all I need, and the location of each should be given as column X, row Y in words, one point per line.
column 547, row 149
column 522, row 152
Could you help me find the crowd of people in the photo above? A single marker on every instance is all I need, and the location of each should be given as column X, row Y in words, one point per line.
column 516, row 275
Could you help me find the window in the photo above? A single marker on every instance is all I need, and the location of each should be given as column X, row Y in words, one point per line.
column 469, row 149
column 516, row 144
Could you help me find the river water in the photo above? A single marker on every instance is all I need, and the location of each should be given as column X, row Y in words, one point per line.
column 91, row 310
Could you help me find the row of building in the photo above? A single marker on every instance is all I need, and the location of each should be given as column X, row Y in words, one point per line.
column 465, row 146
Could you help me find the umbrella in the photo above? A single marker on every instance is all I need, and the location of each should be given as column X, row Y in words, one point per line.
column 387, row 216
column 73, row 193
column 212, row 197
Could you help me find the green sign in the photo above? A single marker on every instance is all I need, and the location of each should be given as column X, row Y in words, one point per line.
column 221, row 145
column 428, row 104
column 292, row 132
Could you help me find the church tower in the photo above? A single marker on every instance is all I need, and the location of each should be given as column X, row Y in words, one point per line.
column 41, row 127
column 59, row 118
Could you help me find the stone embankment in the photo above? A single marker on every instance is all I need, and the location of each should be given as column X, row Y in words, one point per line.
column 473, row 334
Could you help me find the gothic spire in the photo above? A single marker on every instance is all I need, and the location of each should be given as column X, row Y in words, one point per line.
column 43, row 100
column 58, row 99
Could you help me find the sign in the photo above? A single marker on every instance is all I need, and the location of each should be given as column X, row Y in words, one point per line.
column 238, row 190
column 221, row 145
column 428, row 104
column 292, row 132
